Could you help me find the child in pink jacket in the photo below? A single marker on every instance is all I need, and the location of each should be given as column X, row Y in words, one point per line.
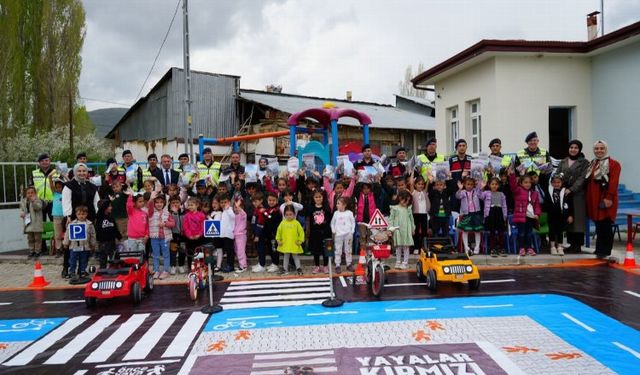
column 138, row 222
column 526, row 210
column 193, row 227
column 240, row 235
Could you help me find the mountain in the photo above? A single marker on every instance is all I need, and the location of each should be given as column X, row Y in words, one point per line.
column 104, row 119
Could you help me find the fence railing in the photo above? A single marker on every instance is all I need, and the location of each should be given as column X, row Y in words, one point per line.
column 14, row 177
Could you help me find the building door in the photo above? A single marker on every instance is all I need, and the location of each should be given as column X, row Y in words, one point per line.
column 560, row 121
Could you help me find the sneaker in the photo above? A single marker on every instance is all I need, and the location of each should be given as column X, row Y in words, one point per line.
column 163, row 275
column 226, row 269
column 416, row 251
column 72, row 276
column 503, row 253
column 338, row 269
column 216, row 269
column 84, row 274
column 156, row 275
column 272, row 268
column 37, row 255
column 284, row 272
column 173, row 270
column 350, row 268
column 494, row 253
column 398, row 265
column 404, row 266
column 31, row 255
column 531, row 252
column 325, row 269
column 67, row 275
column 64, row 274
column 315, row 270
column 299, row 271
column 523, row 252
column 257, row 268
column 241, row 269
column 554, row 251
column 560, row 251
column 476, row 251
column 181, row 269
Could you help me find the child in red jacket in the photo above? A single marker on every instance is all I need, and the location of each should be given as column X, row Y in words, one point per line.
column 193, row 227
column 526, row 210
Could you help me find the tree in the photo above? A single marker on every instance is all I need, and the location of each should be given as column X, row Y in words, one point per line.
column 405, row 87
column 40, row 63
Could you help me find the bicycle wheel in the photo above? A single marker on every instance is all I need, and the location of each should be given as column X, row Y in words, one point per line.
column 369, row 271
column 193, row 288
column 377, row 284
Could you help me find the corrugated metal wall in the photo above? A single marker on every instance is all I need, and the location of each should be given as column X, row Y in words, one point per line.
column 213, row 107
column 162, row 115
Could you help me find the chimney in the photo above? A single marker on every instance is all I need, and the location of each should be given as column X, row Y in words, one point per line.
column 592, row 25
column 349, row 96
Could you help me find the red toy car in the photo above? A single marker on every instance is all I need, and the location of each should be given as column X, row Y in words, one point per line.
column 127, row 275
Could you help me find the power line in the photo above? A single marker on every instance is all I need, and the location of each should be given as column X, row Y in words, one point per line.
column 159, row 50
column 104, row 101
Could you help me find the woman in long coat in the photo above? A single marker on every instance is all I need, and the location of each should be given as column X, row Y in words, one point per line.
column 603, row 176
column 574, row 169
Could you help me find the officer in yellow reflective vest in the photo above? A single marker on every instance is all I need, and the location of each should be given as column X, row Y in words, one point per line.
column 208, row 167
column 127, row 158
column 532, row 153
column 496, row 150
column 152, row 167
column 40, row 180
column 429, row 157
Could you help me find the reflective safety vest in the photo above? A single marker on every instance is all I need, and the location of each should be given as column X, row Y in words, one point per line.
column 426, row 164
column 41, row 183
column 539, row 158
column 134, row 185
column 213, row 171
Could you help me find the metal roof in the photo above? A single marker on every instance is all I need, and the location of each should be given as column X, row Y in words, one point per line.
column 422, row 101
column 382, row 115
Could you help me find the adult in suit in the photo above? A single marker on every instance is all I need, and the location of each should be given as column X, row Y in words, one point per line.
column 166, row 174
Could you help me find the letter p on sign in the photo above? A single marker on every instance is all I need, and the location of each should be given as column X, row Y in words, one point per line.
column 77, row 232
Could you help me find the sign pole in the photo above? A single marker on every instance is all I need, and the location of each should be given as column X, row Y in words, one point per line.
column 332, row 301
column 211, row 308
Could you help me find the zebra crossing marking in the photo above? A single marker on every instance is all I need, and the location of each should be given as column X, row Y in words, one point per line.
column 276, row 293
column 143, row 347
column 46, row 342
column 76, row 344
column 110, row 345
column 81, row 340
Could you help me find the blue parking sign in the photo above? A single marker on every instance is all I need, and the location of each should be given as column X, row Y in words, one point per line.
column 77, row 232
column 212, row 228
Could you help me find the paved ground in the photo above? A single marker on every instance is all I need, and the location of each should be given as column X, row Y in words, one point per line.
column 525, row 319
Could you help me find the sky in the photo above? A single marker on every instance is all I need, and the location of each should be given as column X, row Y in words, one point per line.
column 315, row 48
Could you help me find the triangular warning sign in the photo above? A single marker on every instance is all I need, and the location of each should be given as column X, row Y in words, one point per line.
column 211, row 229
column 378, row 220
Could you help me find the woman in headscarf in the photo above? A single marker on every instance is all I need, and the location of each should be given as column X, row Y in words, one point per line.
column 603, row 175
column 80, row 192
column 574, row 168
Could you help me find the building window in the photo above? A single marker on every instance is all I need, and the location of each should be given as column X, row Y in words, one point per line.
column 476, row 127
column 454, row 126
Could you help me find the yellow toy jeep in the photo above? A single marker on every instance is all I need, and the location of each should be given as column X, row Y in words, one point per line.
column 440, row 261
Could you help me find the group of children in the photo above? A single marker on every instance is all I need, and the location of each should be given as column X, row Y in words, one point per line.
column 281, row 214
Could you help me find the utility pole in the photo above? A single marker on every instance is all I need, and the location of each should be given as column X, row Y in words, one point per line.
column 601, row 17
column 188, row 145
column 71, row 124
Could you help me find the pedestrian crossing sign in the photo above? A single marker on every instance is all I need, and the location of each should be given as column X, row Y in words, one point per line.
column 77, row 232
column 212, row 228
column 378, row 220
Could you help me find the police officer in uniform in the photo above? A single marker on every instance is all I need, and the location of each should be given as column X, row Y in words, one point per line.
column 152, row 167
column 208, row 167
column 40, row 180
column 496, row 150
column 430, row 156
column 533, row 153
column 127, row 160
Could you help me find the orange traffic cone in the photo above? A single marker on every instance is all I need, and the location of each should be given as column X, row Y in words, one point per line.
column 38, row 278
column 361, row 262
column 629, row 259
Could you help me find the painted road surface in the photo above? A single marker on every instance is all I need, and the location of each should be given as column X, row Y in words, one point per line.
column 273, row 326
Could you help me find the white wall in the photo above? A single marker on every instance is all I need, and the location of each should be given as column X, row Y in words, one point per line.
column 476, row 82
column 616, row 108
column 515, row 94
column 11, row 236
column 526, row 86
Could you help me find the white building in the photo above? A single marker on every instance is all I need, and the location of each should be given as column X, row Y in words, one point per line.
column 563, row 90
